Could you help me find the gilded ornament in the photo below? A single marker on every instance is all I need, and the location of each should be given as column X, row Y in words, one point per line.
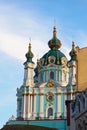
column 50, row 96
column 50, row 83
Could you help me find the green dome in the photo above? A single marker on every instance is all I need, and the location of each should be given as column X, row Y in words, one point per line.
column 54, row 43
column 55, row 55
column 29, row 55
column 73, row 52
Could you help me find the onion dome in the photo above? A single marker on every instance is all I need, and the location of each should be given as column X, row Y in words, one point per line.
column 73, row 52
column 29, row 55
column 54, row 43
column 54, row 55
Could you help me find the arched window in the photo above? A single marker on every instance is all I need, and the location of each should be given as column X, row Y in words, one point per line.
column 50, row 112
column 51, row 75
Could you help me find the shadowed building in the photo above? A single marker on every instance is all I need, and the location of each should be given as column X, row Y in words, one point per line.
column 78, row 111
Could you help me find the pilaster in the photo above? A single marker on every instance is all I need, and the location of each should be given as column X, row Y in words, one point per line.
column 24, row 106
column 58, row 104
column 41, row 114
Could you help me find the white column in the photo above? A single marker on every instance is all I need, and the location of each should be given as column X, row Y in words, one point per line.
column 41, row 105
column 31, row 105
column 57, row 107
column 65, row 98
column 59, row 104
column 34, row 113
column 28, row 107
column 24, row 106
column 74, row 73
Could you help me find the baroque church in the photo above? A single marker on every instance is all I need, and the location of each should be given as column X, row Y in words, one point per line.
column 46, row 87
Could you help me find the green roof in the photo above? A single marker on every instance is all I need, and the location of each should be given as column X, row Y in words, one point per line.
column 56, row 53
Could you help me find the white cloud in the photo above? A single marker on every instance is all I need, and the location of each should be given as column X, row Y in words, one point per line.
column 16, row 28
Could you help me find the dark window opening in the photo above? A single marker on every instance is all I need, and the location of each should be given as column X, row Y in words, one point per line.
column 50, row 112
column 51, row 75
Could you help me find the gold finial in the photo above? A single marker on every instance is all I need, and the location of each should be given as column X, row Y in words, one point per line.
column 73, row 45
column 54, row 31
column 30, row 45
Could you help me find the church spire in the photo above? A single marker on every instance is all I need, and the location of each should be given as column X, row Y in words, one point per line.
column 73, row 52
column 73, row 45
column 29, row 55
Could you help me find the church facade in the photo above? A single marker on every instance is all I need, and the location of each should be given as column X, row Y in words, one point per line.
column 47, row 86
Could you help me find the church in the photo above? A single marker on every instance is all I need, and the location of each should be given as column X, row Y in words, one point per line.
column 46, row 87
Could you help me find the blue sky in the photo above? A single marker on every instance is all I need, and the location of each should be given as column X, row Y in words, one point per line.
column 21, row 20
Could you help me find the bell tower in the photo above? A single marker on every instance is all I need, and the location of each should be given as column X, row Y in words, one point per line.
column 24, row 93
column 72, row 66
column 29, row 68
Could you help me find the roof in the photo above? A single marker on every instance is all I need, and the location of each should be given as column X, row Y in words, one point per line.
column 55, row 53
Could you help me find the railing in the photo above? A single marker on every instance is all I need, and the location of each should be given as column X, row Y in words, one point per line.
column 38, row 118
column 49, row 118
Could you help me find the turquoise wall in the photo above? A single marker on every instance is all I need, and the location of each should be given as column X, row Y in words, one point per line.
column 52, row 103
column 37, row 105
